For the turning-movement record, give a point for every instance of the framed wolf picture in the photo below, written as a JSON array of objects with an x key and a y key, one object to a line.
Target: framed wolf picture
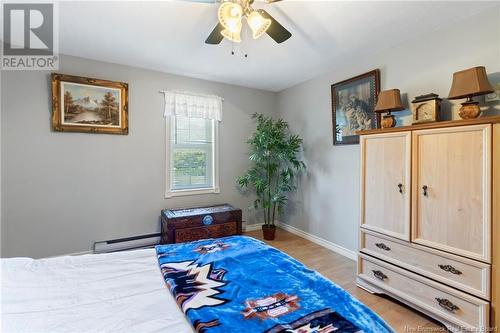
[
  {"x": 81, "y": 104},
  {"x": 353, "y": 102}
]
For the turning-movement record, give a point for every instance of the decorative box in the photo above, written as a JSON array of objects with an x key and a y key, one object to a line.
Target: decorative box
[{"x": 186, "y": 225}]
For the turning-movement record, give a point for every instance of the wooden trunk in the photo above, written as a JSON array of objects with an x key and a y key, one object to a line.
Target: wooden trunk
[{"x": 186, "y": 225}]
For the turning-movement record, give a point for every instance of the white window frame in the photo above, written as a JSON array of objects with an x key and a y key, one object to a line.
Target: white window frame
[{"x": 169, "y": 192}]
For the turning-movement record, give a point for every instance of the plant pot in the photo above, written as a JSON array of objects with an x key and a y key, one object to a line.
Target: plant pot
[{"x": 268, "y": 231}]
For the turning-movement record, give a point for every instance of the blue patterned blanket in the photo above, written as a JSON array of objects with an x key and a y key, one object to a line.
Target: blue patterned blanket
[{"x": 239, "y": 284}]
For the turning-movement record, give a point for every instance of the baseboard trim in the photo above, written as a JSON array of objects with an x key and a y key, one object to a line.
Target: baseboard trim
[
  {"x": 320, "y": 241},
  {"x": 253, "y": 227},
  {"x": 294, "y": 230}
]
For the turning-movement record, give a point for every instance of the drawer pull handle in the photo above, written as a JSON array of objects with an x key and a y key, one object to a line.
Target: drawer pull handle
[
  {"x": 447, "y": 305},
  {"x": 424, "y": 188},
  {"x": 379, "y": 275},
  {"x": 400, "y": 186},
  {"x": 449, "y": 268},
  {"x": 382, "y": 246}
]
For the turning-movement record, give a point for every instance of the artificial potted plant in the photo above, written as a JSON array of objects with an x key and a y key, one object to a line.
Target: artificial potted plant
[{"x": 275, "y": 163}]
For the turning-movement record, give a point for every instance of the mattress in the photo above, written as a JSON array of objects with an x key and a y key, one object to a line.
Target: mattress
[
  {"x": 126, "y": 292},
  {"x": 116, "y": 292}
]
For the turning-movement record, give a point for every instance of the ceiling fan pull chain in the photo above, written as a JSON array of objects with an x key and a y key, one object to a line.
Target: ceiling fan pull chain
[{"x": 244, "y": 49}]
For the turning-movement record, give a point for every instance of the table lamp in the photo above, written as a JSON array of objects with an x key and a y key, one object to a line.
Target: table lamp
[
  {"x": 467, "y": 84},
  {"x": 389, "y": 101}
]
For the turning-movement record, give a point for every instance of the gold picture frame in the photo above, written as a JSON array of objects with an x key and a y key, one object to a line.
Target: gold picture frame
[{"x": 82, "y": 104}]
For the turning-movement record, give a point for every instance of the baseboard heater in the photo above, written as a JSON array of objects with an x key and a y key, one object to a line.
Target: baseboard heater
[{"x": 128, "y": 243}]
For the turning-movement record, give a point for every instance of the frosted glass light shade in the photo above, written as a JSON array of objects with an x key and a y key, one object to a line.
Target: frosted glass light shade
[
  {"x": 258, "y": 24},
  {"x": 232, "y": 36},
  {"x": 230, "y": 15}
]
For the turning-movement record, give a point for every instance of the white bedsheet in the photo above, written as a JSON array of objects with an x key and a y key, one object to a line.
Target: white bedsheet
[{"x": 116, "y": 292}]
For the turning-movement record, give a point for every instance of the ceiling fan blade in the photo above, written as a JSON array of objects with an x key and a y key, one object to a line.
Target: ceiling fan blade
[
  {"x": 276, "y": 31},
  {"x": 215, "y": 36}
]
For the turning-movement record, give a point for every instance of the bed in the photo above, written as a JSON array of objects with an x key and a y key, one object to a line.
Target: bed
[{"x": 232, "y": 284}]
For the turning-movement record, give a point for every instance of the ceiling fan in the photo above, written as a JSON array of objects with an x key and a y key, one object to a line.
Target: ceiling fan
[{"x": 231, "y": 14}]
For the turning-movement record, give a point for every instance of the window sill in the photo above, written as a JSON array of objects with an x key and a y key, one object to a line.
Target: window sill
[{"x": 181, "y": 193}]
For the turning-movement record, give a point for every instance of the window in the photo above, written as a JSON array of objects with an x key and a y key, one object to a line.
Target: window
[
  {"x": 191, "y": 156},
  {"x": 192, "y": 127}
]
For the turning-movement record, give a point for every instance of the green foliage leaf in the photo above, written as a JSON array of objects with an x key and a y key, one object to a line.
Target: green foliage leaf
[{"x": 274, "y": 153}]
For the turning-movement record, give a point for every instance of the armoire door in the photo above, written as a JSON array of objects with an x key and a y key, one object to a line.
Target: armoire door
[
  {"x": 385, "y": 183},
  {"x": 452, "y": 190}
]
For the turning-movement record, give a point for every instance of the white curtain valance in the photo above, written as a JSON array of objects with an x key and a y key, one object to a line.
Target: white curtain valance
[{"x": 192, "y": 105}]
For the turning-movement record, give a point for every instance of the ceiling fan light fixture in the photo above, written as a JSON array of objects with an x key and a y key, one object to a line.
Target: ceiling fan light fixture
[
  {"x": 232, "y": 36},
  {"x": 258, "y": 24},
  {"x": 230, "y": 15}
]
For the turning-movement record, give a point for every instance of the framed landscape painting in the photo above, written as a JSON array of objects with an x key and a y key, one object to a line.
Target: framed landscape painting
[
  {"x": 81, "y": 104},
  {"x": 353, "y": 102}
]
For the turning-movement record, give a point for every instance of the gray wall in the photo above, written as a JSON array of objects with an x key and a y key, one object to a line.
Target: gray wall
[
  {"x": 327, "y": 203},
  {"x": 62, "y": 191}
]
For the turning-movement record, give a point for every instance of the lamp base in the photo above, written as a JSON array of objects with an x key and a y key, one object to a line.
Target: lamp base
[
  {"x": 388, "y": 121},
  {"x": 469, "y": 110}
]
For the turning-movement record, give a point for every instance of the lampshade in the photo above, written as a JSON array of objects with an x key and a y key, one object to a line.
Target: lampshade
[
  {"x": 258, "y": 24},
  {"x": 232, "y": 36},
  {"x": 470, "y": 82},
  {"x": 230, "y": 15},
  {"x": 389, "y": 100}
]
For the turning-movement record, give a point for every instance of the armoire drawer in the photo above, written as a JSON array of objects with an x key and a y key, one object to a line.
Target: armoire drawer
[
  {"x": 465, "y": 274},
  {"x": 449, "y": 304}
]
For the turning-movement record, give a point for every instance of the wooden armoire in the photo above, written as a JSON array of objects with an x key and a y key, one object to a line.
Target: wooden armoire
[{"x": 430, "y": 219}]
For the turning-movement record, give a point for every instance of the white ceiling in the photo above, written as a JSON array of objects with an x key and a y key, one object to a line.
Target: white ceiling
[{"x": 169, "y": 36}]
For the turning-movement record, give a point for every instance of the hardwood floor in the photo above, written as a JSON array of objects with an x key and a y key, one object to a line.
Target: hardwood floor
[{"x": 342, "y": 271}]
